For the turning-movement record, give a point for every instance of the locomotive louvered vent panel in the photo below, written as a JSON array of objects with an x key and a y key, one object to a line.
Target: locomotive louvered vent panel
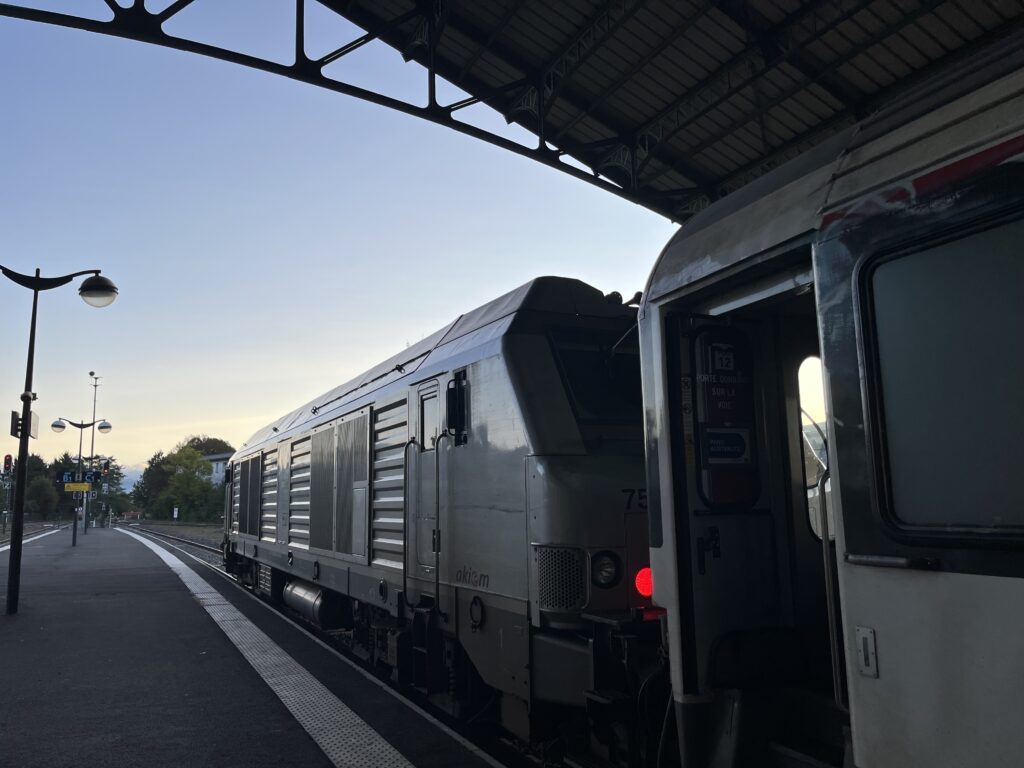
[
  {"x": 321, "y": 490},
  {"x": 560, "y": 578},
  {"x": 236, "y": 484},
  {"x": 251, "y": 513},
  {"x": 390, "y": 433},
  {"x": 298, "y": 494},
  {"x": 249, "y": 497},
  {"x": 243, "y": 498},
  {"x": 353, "y": 467},
  {"x": 268, "y": 498}
]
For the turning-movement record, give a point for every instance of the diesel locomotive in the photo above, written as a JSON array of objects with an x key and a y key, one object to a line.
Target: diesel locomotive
[{"x": 469, "y": 518}]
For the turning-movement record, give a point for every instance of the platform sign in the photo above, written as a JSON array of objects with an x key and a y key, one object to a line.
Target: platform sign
[
  {"x": 175, "y": 513},
  {"x": 69, "y": 487}
]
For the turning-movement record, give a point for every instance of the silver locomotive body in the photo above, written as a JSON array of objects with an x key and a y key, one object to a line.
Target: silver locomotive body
[{"x": 472, "y": 515}]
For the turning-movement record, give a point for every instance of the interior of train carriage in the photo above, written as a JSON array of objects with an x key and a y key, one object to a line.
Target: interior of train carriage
[{"x": 749, "y": 431}]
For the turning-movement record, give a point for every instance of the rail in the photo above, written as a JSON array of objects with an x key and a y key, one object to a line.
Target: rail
[{"x": 190, "y": 542}]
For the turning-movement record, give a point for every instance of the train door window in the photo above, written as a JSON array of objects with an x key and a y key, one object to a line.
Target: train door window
[
  {"x": 814, "y": 437},
  {"x": 430, "y": 419},
  {"x": 948, "y": 362}
]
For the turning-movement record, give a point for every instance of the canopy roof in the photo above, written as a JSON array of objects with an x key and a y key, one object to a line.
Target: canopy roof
[
  {"x": 669, "y": 103},
  {"x": 680, "y": 103}
]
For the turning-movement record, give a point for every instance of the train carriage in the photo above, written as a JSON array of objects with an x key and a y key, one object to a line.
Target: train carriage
[
  {"x": 469, "y": 516},
  {"x": 845, "y": 589}
]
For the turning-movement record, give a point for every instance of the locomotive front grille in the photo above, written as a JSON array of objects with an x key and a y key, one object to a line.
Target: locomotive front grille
[{"x": 560, "y": 578}]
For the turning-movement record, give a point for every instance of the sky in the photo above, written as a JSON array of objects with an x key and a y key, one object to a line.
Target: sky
[{"x": 270, "y": 239}]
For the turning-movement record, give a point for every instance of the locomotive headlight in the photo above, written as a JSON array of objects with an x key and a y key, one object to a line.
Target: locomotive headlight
[{"x": 605, "y": 569}]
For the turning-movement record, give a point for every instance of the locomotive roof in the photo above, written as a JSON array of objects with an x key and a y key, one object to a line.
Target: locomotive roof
[
  {"x": 560, "y": 295},
  {"x": 784, "y": 209}
]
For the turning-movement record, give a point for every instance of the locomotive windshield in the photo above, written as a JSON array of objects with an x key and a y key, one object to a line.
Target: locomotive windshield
[{"x": 601, "y": 372}]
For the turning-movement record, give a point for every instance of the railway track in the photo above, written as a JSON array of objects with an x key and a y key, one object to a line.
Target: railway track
[{"x": 206, "y": 547}]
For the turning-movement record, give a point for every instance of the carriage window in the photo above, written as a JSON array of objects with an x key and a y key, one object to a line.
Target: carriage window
[
  {"x": 950, "y": 356},
  {"x": 814, "y": 436},
  {"x": 430, "y": 420}
]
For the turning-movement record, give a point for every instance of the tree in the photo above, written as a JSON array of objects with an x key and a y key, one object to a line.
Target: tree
[
  {"x": 113, "y": 476},
  {"x": 152, "y": 483},
  {"x": 120, "y": 504},
  {"x": 41, "y": 498},
  {"x": 188, "y": 488},
  {"x": 206, "y": 445},
  {"x": 63, "y": 463},
  {"x": 35, "y": 467},
  {"x": 114, "y": 499}
]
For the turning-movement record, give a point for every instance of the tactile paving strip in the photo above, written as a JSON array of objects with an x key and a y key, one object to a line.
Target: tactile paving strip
[{"x": 345, "y": 738}]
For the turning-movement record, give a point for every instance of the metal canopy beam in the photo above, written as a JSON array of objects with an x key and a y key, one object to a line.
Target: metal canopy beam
[
  {"x": 621, "y": 174},
  {"x": 673, "y": 36},
  {"x": 537, "y": 99},
  {"x": 619, "y": 179},
  {"x": 779, "y": 154},
  {"x": 740, "y": 72},
  {"x": 137, "y": 23},
  {"x": 758, "y": 29}
]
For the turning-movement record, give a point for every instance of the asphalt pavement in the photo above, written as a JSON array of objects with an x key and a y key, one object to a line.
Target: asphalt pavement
[{"x": 113, "y": 661}]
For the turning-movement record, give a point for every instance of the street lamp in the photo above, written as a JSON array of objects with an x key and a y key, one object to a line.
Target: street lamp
[
  {"x": 92, "y": 446},
  {"x": 96, "y": 291},
  {"x": 104, "y": 427}
]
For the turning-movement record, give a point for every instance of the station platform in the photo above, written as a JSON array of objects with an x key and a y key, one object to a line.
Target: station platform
[{"x": 128, "y": 652}]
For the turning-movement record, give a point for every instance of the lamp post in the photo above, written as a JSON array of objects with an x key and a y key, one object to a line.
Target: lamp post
[
  {"x": 92, "y": 448},
  {"x": 97, "y": 291},
  {"x": 104, "y": 427}
]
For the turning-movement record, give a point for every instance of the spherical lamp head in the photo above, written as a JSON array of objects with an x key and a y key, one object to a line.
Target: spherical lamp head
[
  {"x": 104, "y": 426},
  {"x": 97, "y": 291},
  {"x": 58, "y": 425}
]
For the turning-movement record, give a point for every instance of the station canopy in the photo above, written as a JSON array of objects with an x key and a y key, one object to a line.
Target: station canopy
[
  {"x": 669, "y": 103},
  {"x": 680, "y": 103}
]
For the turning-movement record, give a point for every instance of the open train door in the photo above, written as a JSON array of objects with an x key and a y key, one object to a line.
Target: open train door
[
  {"x": 730, "y": 532},
  {"x": 920, "y": 295}
]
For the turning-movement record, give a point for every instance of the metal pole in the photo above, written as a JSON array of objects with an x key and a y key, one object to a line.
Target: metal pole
[
  {"x": 78, "y": 477},
  {"x": 92, "y": 453},
  {"x": 21, "y": 476}
]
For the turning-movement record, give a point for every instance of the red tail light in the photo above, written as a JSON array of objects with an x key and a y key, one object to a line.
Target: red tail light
[{"x": 644, "y": 582}]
